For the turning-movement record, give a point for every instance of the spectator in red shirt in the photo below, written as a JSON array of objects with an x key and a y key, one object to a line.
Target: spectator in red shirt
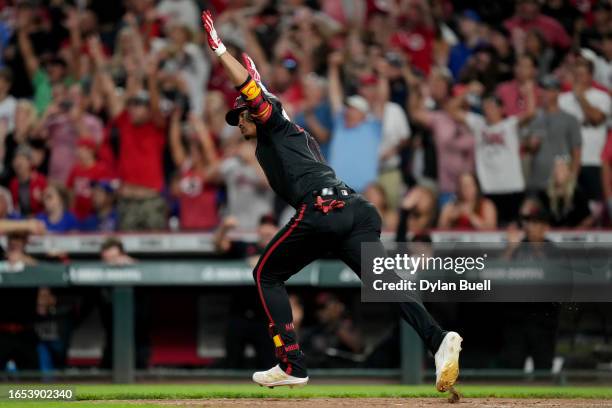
[
  {"x": 197, "y": 196},
  {"x": 83, "y": 173},
  {"x": 471, "y": 210},
  {"x": 140, "y": 128},
  {"x": 418, "y": 36},
  {"x": 510, "y": 93},
  {"x": 527, "y": 16},
  {"x": 28, "y": 185}
]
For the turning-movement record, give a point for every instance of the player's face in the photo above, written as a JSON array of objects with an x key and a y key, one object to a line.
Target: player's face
[{"x": 247, "y": 126}]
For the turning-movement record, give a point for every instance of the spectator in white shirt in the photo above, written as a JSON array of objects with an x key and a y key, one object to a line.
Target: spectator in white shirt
[
  {"x": 498, "y": 162},
  {"x": 249, "y": 196},
  {"x": 603, "y": 62},
  {"x": 591, "y": 107}
]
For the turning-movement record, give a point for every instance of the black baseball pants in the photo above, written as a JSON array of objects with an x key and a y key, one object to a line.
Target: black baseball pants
[{"x": 310, "y": 235}]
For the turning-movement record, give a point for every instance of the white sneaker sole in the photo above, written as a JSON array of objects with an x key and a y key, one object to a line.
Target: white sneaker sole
[
  {"x": 450, "y": 370},
  {"x": 291, "y": 383}
]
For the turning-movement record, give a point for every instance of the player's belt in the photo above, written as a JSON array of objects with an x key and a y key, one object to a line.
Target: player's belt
[{"x": 333, "y": 191}]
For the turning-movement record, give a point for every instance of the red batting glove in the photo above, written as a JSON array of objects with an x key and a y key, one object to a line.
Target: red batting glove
[
  {"x": 250, "y": 67},
  {"x": 252, "y": 70},
  {"x": 214, "y": 42}
]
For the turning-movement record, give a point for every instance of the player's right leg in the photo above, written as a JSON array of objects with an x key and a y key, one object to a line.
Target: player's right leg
[
  {"x": 288, "y": 252},
  {"x": 445, "y": 346}
]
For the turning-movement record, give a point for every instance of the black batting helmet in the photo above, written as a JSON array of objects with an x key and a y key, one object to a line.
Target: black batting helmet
[{"x": 233, "y": 115}]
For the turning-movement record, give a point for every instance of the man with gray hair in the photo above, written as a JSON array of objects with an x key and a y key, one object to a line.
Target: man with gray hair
[
  {"x": 357, "y": 133},
  {"x": 552, "y": 133}
]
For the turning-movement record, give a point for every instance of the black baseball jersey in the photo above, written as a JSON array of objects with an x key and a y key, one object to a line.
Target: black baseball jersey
[{"x": 289, "y": 156}]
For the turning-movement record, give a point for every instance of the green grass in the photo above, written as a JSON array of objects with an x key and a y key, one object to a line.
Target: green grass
[{"x": 107, "y": 392}]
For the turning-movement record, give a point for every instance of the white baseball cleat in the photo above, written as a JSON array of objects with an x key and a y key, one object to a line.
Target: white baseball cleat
[
  {"x": 447, "y": 361},
  {"x": 275, "y": 377}
]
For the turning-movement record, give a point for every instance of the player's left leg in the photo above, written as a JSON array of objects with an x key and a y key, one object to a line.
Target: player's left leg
[{"x": 445, "y": 346}]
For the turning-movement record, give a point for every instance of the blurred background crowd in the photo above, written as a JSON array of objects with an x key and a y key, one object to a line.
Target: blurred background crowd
[
  {"x": 457, "y": 115},
  {"x": 445, "y": 114}
]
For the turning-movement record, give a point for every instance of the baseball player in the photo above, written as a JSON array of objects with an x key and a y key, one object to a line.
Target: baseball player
[{"x": 330, "y": 218}]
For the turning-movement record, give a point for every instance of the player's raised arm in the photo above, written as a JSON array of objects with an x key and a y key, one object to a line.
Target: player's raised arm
[
  {"x": 234, "y": 69},
  {"x": 246, "y": 79}
]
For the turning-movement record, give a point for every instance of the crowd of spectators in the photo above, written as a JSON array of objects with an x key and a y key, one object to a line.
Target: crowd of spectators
[{"x": 444, "y": 113}]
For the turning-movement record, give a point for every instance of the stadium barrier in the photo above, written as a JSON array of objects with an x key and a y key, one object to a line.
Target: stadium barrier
[{"x": 202, "y": 243}]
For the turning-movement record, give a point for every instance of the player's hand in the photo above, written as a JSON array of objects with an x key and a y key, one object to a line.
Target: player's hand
[
  {"x": 214, "y": 42},
  {"x": 250, "y": 67},
  {"x": 252, "y": 70}
]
